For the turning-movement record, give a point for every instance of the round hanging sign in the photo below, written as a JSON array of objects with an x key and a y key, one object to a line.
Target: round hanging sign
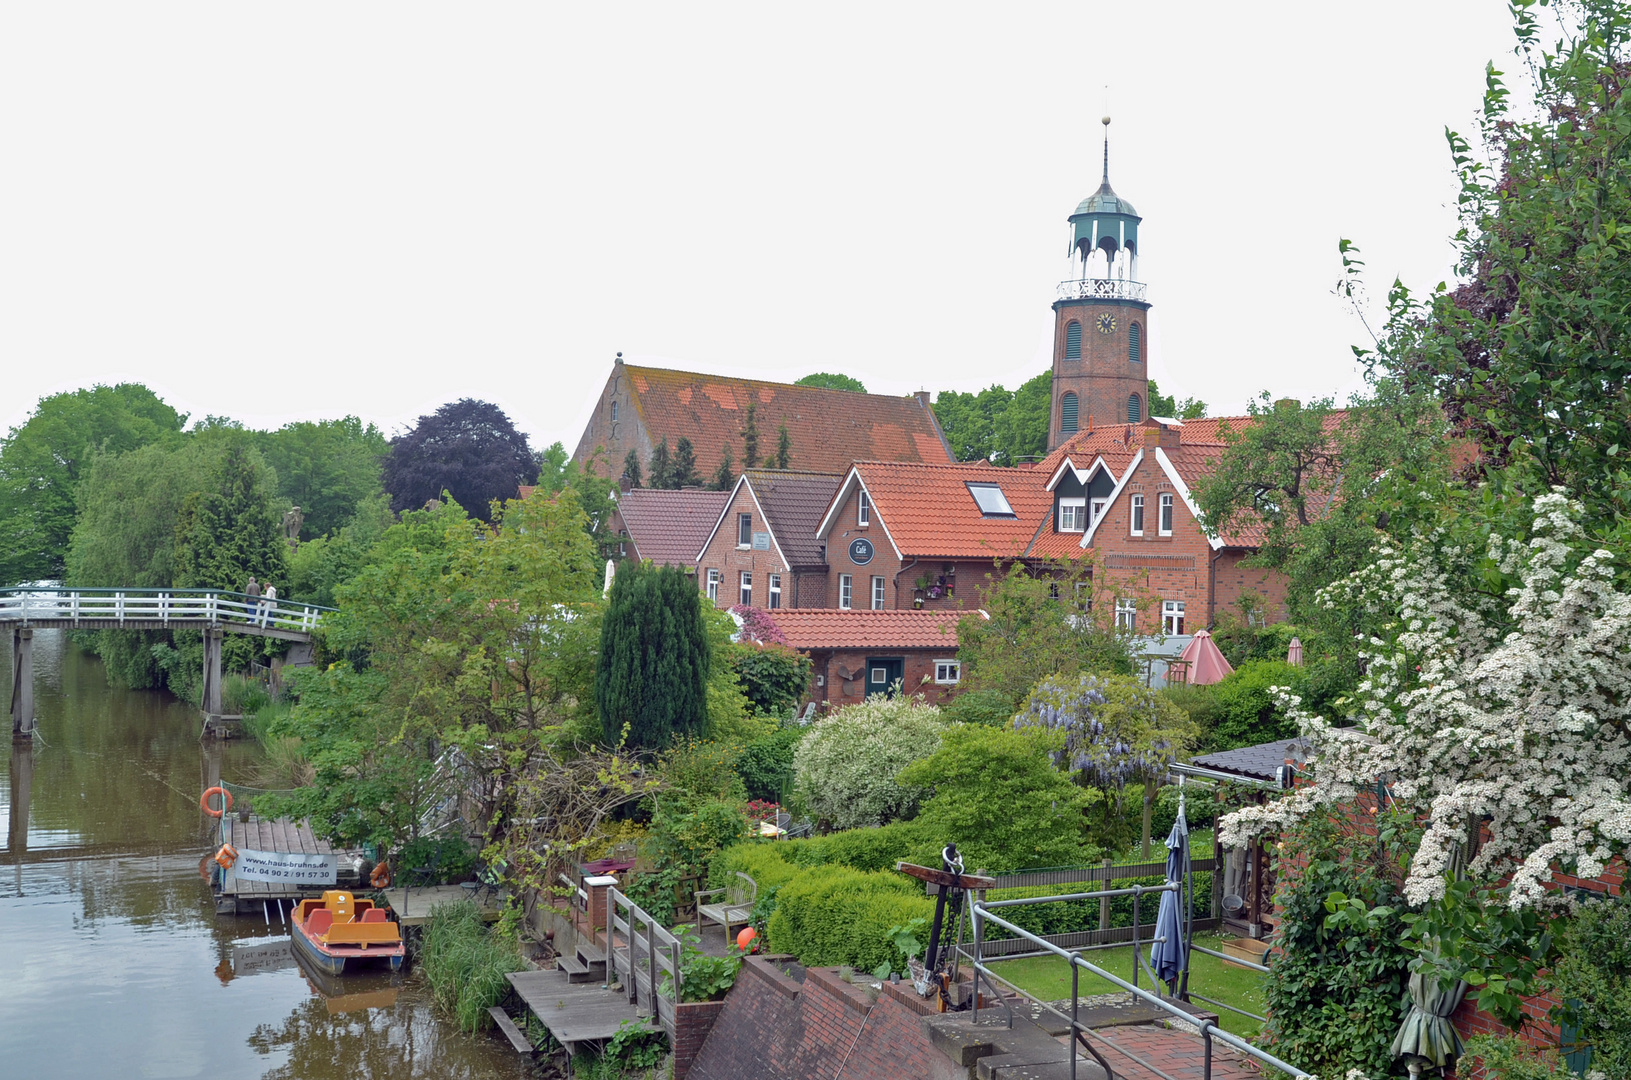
[{"x": 860, "y": 552}]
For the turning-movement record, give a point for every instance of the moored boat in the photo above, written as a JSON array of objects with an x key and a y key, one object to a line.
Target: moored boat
[{"x": 340, "y": 933}]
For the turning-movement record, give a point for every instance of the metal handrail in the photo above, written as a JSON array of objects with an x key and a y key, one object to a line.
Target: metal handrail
[
  {"x": 1090, "y": 288},
  {"x": 982, "y": 912}
]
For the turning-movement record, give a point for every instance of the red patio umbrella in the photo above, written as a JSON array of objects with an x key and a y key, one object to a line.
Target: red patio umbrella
[{"x": 1205, "y": 659}]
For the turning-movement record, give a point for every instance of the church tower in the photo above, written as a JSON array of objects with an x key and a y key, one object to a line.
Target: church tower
[{"x": 1101, "y": 319}]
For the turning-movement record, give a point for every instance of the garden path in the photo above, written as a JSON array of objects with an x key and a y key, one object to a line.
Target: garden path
[{"x": 1179, "y": 1054}]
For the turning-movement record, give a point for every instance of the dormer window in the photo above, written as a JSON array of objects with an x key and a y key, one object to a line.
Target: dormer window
[
  {"x": 1073, "y": 515},
  {"x": 991, "y": 501},
  {"x": 863, "y": 515}
]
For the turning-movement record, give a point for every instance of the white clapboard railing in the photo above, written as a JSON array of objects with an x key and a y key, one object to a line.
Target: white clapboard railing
[{"x": 98, "y": 607}]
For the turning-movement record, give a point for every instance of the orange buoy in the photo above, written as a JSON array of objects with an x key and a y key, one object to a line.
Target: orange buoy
[
  {"x": 381, "y": 877},
  {"x": 226, "y": 856},
  {"x": 226, "y": 801},
  {"x": 746, "y": 939}
]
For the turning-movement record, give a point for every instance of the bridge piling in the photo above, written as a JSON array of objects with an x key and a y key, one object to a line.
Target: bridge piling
[
  {"x": 212, "y": 672},
  {"x": 22, "y": 684}
]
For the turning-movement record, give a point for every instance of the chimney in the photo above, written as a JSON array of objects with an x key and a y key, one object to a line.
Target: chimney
[
  {"x": 922, "y": 398},
  {"x": 1163, "y": 435}
]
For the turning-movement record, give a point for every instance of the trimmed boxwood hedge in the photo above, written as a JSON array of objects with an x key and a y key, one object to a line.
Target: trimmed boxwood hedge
[
  {"x": 835, "y": 915},
  {"x": 1074, "y": 916}
]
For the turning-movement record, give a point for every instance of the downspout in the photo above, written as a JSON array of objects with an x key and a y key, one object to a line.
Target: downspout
[
  {"x": 1212, "y": 588},
  {"x": 898, "y": 573}
]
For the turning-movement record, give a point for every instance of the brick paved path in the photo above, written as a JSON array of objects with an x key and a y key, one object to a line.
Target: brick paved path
[{"x": 1179, "y": 1054}]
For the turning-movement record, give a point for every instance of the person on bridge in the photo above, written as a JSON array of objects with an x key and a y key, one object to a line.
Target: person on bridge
[
  {"x": 253, "y": 591},
  {"x": 268, "y": 602}
]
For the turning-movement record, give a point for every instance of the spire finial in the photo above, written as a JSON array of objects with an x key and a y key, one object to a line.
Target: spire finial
[{"x": 1106, "y": 122}]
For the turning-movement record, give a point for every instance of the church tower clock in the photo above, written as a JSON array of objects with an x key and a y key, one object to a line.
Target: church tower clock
[{"x": 1101, "y": 318}]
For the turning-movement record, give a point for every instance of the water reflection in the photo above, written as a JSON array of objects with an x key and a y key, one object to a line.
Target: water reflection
[{"x": 112, "y": 961}]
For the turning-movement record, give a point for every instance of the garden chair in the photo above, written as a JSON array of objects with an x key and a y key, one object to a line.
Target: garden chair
[
  {"x": 735, "y": 910},
  {"x": 489, "y": 882}
]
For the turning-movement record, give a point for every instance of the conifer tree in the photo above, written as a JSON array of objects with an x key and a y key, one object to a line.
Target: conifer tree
[
  {"x": 724, "y": 476},
  {"x": 230, "y": 531},
  {"x": 784, "y": 448},
  {"x": 654, "y": 659},
  {"x": 750, "y": 437},
  {"x": 662, "y": 467},
  {"x": 685, "y": 465},
  {"x": 631, "y": 468}
]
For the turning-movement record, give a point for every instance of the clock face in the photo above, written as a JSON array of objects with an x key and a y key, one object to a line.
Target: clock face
[{"x": 1107, "y": 323}]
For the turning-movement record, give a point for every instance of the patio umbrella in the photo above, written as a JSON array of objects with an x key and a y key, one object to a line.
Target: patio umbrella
[
  {"x": 1169, "y": 953},
  {"x": 1426, "y": 1039},
  {"x": 1206, "y": 662},
  {"x": 1294, "y": 655}
]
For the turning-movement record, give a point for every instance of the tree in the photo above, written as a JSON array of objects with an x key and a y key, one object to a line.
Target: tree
[
  {"x": 784, "y": 448},
  {"x": 631, "y": 468},
  {"x": 724, "y": 476},
  {"x": 1164, "y": 405},
  {"x": 467, "y": 448},
  {"x": 328, "y": 468},
  {"x": 662, "y": 466},
  {"x": 685, "y": 465},
  {"x": 43, "y": 461},
  {"x": 229, "y": 531},
  {"x": 654, "y": 659},
  {"x": 595, "y": 493},
  {"x": 750, "y": 436},
  {"x": 1020, "y": 432},
  {"x": 828, "y": 381},
  {"x": 968, "y": 420},
  {"x": 844, "y": 768}
]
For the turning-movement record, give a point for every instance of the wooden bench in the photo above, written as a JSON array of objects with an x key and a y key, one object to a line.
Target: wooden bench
[
  {"x": 737, "y": 907},
  {"x": 511, "y": 1032}
]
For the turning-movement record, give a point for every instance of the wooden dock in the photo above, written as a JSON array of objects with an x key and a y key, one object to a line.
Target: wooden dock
[
  {"x": 413, "y": 906},
  {"x": 235, "y": 897},
  {"x": 575, "y": 1012}
]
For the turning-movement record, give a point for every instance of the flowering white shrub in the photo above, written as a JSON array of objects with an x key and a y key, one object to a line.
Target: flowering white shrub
[
  {"x": 1514, "y": 709},
  {"x": 845, "y": 768}
]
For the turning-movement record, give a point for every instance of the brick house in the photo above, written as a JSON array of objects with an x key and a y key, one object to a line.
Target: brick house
[
  {"x": 665, "y": 527},
  {"x": 640, "y": 406},
  {"x": 900, "y": 535},
  {"x": 857, "y": 653},
  {"x": 762, "y": 550}
]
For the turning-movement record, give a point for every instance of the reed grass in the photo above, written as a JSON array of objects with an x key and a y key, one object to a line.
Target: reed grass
[{"x": 465, "y": 963}]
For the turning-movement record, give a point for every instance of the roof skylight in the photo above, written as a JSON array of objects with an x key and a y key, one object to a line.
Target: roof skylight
[{"x": 991, "y": 501}]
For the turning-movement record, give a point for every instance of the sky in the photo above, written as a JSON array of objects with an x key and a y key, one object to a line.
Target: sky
[{"x": 300, "y": 211}]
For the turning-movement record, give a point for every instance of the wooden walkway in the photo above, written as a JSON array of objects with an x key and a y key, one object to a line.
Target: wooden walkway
[
  {"x": 574, "y": 1012},
  {"x": 234, "y": 897},
  {"x": 413, "y": 906}
]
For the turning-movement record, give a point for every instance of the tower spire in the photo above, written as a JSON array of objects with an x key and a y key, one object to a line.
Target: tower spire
[{"x": 1106, "y": 181}]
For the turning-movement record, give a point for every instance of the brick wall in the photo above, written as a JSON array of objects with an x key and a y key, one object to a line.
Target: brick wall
[
  {"x": 692, "y": 1023},
  {"x": 1232, "y": 580},
  {"x": 730, "y": 559},
  {"x": 1152, "y": 566},
  {"x": 840, "y": 690},
  {"x": 884, "y": 563},
  {"x": 1103, "y": 377},
  {"x": 614, "y": 438}
]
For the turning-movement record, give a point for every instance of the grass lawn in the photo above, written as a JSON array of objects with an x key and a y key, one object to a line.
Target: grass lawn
[{"x": 1048, "y": 977}]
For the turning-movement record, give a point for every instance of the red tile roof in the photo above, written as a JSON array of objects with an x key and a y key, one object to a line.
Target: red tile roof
[
  {"x": 671, "y": 526},
  {"x": 793, "y": 503},
  {"x": 829, "y": 429},
  {"x": 928, "y": 512},
  {"x": 831, "y": 628}
]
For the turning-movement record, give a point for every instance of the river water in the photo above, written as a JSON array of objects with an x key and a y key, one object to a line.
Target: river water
[{"x": 113, "y": 962}]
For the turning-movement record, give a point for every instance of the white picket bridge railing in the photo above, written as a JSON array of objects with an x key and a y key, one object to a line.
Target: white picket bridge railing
[{"x": 100, "y": 608}]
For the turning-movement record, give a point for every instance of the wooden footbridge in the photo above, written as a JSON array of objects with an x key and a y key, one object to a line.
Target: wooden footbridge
[{"x": 215, "y": 612}]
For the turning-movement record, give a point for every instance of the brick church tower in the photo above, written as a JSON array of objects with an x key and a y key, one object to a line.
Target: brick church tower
[{"x": 1101, "y": 319}]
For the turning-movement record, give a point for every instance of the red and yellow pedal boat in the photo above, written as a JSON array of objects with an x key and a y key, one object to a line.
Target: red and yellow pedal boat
[{"x": 340, "y": 932}]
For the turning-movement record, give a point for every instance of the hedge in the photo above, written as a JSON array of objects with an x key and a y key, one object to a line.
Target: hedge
[
  {"x": 764, "y": 862},
  {"x": 1075, "y": 916},
  {"x": 877, "y": 848},
  {"x": 835, "y": 915}
]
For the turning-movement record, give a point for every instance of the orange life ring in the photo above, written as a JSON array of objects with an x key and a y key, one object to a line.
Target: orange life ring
[
  {"x": 226, "y": 856},
  {"x": 381, "y": 877},
  {"x": 226, "y": 802}
]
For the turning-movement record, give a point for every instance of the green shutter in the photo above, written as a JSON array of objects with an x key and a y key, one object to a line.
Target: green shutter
[
  {"x": 1134, "y": 414},
  {"x": 1132, "y": 343},
  {"x": 1073, "y": 341},
  {"x": 1067, "y": 413}
]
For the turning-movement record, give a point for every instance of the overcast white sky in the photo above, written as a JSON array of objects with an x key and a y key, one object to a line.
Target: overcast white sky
[{"x": 304, "y": 210}]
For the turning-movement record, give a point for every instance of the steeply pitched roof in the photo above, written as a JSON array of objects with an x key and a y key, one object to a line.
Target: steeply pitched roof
[
  {"x": 1261, "y": 762},
  {"x": 829, "y": 429},
  {"x": 831, "y": 628},
  {"x": 794, "y": 502},
  {"x": 928, "y": 510},
  {"x": 670, "y": 526}
]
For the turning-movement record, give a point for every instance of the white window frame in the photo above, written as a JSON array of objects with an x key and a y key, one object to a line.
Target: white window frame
[
  {"x": 713, "y": 585},
  {"x": 948, "y": 672},
  {"x": 1164, "y": 522},
  {"x": 1172, "y": 617},
  {"x": 1126, "y": 614},
  {"x": 1096, "y": 510},
  {"x": 745, "y": 594},
  {"x": 1076, "y": 520},
  {"x": 775, "y": 583},
  {"x": 1136, "y": 518},
  {"x": 744, "y": 531},
  {"x": 863, "y": 511},
  {"x": 614, "y": 412},
  {"x": 846, "y": 590},
  {"x": 877, "y": 593}
]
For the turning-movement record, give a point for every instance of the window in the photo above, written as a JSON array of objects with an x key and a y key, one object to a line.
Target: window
[
  {"x": 845, "y": 586},
  {"x": 1073, "y": 341},
  {"x": 1067, "y": 413},
  {"x": 713, "y": 585},
  {"x": 948, "y": 672},
  {"x": 1138, "y": 515},
  {"x": 1072, "y": 515},
  {"x": 747, "y": 588},
  {"x": 863, "y": 516},
  {"x": 1133, "y": 335},
  {"x": 1098, "y": 508},
  {"x": 1172, "y": 616},
  {"x": 1166, "y": 515},
  {"x": 991, "y": 501},
  {"x": 1126, "y": 614},
  {"x": 744, "y": 530},
  {"x": 877, "y": 594},
  {"x": 1135, "y": 410},
  {"x": 775, "y": 582},
  {"x": 614, "y": 412}
]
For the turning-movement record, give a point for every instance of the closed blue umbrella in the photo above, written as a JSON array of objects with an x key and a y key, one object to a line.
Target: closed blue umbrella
[{"x": 1168, "y": 953}]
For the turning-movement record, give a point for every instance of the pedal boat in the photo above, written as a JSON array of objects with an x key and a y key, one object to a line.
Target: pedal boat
[{"x": 340, "y": 933}]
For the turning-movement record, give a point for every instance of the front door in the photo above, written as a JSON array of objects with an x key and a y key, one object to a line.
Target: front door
[{"x": 882, "y": 672}]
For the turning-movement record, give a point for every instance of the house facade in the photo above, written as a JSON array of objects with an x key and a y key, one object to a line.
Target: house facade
[
  {"x": 762, "y": 550},
  {"x": 857, "y": 653}
]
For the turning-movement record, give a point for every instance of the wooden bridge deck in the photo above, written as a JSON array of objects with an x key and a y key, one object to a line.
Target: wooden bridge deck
[
  {"x": 575, "y": 1012},
  {"x": 258, "y": 834}
]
